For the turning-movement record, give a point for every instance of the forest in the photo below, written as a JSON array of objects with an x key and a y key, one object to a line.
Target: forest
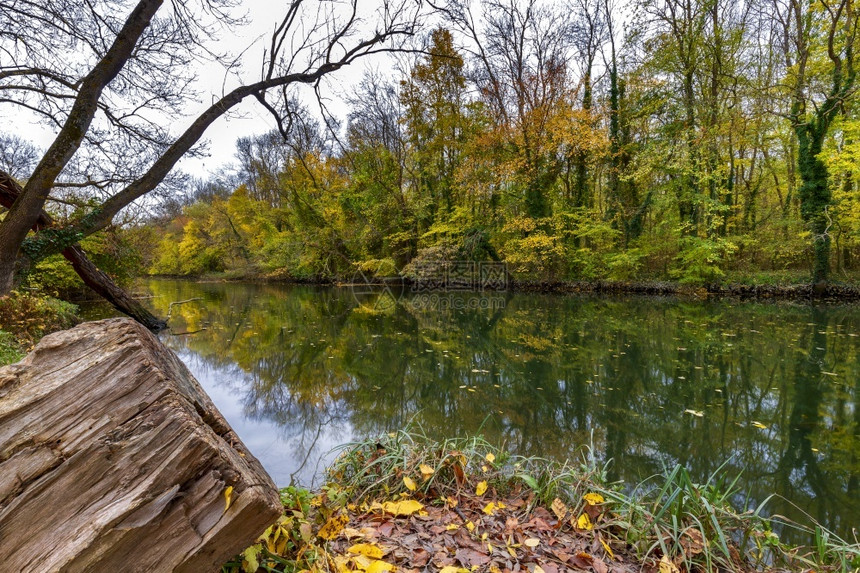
[
  {"x": 697, "y": 141},
  {"x": 693, "y": 141}
]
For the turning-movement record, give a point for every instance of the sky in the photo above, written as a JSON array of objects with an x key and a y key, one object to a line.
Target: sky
[{"x": 247, "y": 118}]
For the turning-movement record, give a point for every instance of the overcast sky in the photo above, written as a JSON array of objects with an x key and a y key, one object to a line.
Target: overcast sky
[{"x": 249, "y": 117}]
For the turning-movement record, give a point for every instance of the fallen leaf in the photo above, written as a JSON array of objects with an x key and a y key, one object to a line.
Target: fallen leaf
[
  {"x": 409, "y": 483},
  {"x": 666, "y": 566},
  {"x": 366, "y": 549},
  {"x": 405, "y": 507},
  {"x": 482, "y": 487},
  {"x": 593, "y": 498},
  {"x": 558, "y": 508},
  {"x": 584, "y": 522},
  {"x": 491, "y": 507},
  {"x": 538, "y": 569},
  {"x": 426, "y": 471},
  {"x": 531, "y": 542},
  {"x": 452, "y": 569},
  {"x": 333, "y": 526},
  {"x": 306, "y": 531},
  {"x": 490, "y": 458},
  {"x": 379, "y": 566},
  {"x": 470, "y": 526},
  {"x": 607, "y": 549},
  {"x": 452, "y": 527},
  {"x": 228, "y": 497},
  {"x": 693, "y": 542}
]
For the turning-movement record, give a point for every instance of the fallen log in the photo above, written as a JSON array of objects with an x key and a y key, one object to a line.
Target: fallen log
[{"x": 113, "y": 458}]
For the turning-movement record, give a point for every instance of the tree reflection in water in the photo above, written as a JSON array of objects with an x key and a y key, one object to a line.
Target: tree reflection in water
[{"x": 776, "y": 384}]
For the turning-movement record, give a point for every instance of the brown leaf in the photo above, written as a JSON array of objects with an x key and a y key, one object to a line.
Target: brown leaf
[
  {"x": 420, "y": 557},
  {"x": 693, "y": 542},
  {"x": 599, "y": 566},
  {"x": 582, "y": 560},
  {"x": 470, "y": 557}
]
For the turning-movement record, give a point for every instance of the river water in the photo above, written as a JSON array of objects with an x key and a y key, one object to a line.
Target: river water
[{"x": 769, "y": 391}]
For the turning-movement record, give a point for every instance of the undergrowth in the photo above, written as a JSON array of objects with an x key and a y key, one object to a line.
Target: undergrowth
[
  {"x": 29, "y": 317},
  {"x": 668, "y": 524}
]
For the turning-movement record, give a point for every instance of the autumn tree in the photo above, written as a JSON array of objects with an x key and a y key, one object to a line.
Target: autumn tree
[
  {"x": 104, "y": 73},
  {"x": 822, "y": 76}
]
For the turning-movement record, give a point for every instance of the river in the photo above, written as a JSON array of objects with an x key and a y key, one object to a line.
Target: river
[{"x": 768, "y": 391}]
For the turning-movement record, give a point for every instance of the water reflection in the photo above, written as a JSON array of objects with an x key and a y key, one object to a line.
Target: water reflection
[{"x": 772, "y": 388}]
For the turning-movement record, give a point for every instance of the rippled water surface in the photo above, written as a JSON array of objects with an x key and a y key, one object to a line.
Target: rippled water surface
[{"x": 771, "y": 390}]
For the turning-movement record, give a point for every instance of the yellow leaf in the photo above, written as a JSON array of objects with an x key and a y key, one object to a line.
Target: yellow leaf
[
  {"x": 558, "y": 508},
  {"x": 409, "y": 483},
  {"x": 608, "y": 549},
  {"x": 584, "y": 522},
  {"x": 470, "y": 526},
  {"x": 490, "y": 458},
  {"x": 538, "y": 569},
  {"x": 491, "y": 507},
  {"x": 452, "y": 527},
  {"x": 531, "y": 542},
  {"x": 666, "y": 566},
  {"x": 697, "y": 413},
  {"x": 426, "y": 471},
  {"x": 452, "y": 569},
  {"x": 333, "y": 526},
  {"x": 759, "y": 425},
  {"x": 482, "y": 487},
  {"x": 366, "y": 549},
  {"x": 228, "y": 497},
  {"x": 405, "y": 507},
  {"x": 593, "y": 498},
  {"x": 379, "y": 567}
]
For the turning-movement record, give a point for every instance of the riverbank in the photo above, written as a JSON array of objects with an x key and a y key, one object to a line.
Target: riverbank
[
  {"x": 26, "y": 318},
  {"x": 404, "y": 502},
  {"x": 757, "y": 287}
]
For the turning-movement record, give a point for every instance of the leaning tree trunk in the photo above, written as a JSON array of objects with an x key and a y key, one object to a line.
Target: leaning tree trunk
[{"x": 89, "y": 273}]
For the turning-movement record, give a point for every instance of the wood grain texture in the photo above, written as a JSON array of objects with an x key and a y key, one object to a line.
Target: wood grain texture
[{"x": 113, "y": 458}]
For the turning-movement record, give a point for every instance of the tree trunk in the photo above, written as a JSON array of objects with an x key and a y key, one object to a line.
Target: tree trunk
[
  {"x": 113, "y": 458},
  {"x": 89, "y": 273}
]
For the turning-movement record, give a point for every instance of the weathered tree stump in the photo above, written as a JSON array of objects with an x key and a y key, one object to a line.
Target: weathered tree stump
[{"x": 113, "y": 458}]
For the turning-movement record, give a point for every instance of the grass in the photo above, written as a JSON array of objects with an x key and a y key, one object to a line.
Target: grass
[
  {"x": 667, "y": 523},
  {"x": 25, "y": 318},
  {"x": 10, "y": 351}
]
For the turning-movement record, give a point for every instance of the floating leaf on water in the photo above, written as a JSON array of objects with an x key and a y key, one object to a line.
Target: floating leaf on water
[
  {"x": 759, "y": 425},
  {"x": 697, "y": 413},
  {"x": 482, "y": 487}
]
